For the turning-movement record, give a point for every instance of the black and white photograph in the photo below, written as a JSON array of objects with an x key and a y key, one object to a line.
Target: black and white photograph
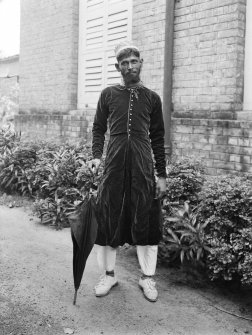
[{"x": 125, "y": 167}]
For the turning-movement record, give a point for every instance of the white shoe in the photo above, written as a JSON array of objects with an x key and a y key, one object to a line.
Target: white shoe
[
  {"x": 105, "y": 284},
  {"x": 148, "y": 285}
]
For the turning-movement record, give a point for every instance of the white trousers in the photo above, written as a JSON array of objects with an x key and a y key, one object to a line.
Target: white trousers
[{"x": 147, "y": 258}]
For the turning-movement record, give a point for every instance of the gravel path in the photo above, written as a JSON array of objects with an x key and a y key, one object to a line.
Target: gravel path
[{"x": 36, "y": 291}]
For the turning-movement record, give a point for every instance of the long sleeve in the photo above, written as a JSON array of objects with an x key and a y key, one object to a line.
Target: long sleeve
[
  {"x": 100, "y": 125},
  {"x": 157, "y": 137}
]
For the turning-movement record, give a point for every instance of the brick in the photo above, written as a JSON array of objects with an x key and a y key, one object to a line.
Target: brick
[
  {"x": 212, "y": 17},
  {"x": 203, "y": 146},
  {"x": 224, "y": 165},
  {"x": 221, "y": 156},
  {"x": 235, "y": 158},
  {"x": 48, "y": 62}
]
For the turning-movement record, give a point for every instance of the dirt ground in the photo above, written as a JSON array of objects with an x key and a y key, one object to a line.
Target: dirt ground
[{"x": 36, "y": 291}]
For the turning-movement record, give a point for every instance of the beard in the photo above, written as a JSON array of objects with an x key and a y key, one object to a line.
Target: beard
[{"x": 131, "y": 77}]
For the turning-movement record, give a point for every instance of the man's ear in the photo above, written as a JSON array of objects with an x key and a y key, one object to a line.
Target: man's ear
[
  {"x": 117, "y": 67},
  {"x": 141, "y": 61}
]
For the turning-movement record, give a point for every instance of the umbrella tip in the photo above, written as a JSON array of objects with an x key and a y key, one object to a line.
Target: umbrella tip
[{"x": 75, "y": 297}]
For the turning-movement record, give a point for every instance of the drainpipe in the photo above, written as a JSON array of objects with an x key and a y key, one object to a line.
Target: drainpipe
[{"x": 168, "y": 66}]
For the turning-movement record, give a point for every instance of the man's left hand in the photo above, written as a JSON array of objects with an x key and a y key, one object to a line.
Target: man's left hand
[{"x": 161, "y": 187}]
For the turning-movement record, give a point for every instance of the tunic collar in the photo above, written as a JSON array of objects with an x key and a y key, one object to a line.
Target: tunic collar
[{"x": 134, "y": 89}]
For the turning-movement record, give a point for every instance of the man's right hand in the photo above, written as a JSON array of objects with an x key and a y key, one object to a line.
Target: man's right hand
[{"x": 94, "y": 164}]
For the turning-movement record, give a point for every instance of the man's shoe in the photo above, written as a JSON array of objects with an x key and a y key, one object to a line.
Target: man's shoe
[
  {"x": 104, "y": 286},
  {"x": 148, "y": 285}
]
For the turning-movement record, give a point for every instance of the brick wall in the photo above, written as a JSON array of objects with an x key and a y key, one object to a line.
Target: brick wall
[
  {"x": 207, "y": 76},
  {"x": 209, "y": 43},
  {"x": 71, "y": 127},
  {"x": 148, "y": 33},
  {"x": 209, "y": 39},
  {"x": 223, "y": 145},
  {"x": 48, "y": 55}
]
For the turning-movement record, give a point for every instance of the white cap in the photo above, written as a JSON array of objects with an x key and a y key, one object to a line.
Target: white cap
[{"x": 124, "y": 45}]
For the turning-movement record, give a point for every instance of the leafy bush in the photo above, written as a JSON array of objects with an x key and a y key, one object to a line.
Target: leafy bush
[
  {"x": 54, "y": 210},
  {"x": 185, "y": 178},
  {"x": 16, "y": 161},
  {"x": 8, "y": 139},
  {"x": 183, "y": 237},
  {"x": 62, "y": 179},
  {"x": 57, "y": 176},
  {"x": 226, "y": 208},
  {"x": 207, "y": 220},
  {"x": 215, "y": 232}
]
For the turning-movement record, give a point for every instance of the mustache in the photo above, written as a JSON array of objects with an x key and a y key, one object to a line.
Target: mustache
[{"x": 132, "y": 71}]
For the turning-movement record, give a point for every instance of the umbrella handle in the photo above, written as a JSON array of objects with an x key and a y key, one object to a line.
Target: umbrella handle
[{"x": 75, "y": 297}]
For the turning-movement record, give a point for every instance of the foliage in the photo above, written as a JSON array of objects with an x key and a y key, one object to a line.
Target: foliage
[
  {"x": 185, "y": 178},
  {"x": 215, "y": 231},
  {"x": 207, "y": 220},
  {"x": 183, "y": 236},
  {"x": 57, "y": 176},
  {"x": 54, "y": 211},
  {"x": 17, "y": 160},
  {"x": 8, "y": 139},
  {"x": 62, "y": 179},
  {"x": 226, "y": 207}
]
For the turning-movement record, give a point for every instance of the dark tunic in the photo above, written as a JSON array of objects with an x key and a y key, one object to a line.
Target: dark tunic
[{"x": 127, "y": 211}]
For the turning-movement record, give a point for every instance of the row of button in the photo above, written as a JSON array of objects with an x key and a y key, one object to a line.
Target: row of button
[{"x": 130, "y": 110}]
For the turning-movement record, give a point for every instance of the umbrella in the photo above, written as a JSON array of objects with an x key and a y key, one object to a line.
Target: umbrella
[{"x": 83, "y": 231}]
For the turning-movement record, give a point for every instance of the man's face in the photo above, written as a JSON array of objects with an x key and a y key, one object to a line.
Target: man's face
[{"x": 130, "y": 68}]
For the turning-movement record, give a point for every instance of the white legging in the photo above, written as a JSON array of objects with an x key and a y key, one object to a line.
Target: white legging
[{"x": 147, "y": 258}]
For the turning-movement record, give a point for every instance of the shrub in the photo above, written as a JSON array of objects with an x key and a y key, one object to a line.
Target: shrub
[
  {"x": 185, "y": 178},
  {"x": 207, "y": 221},
  {"x": 54, "y": 210},
  {"x": 226, "y": 209},
  {"x": 216, "y": 232},
  {"x": 182, "y": 234},
  {"x": 16, "y": 170},
  {"x": 183, "y": 237},
  {"x": 62, "y": 179},
  {"x": 8, "y": 139},
  {"x": 57, "y": 176}
]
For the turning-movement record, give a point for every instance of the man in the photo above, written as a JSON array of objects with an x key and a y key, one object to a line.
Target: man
[{"x": 128, "y": 210}]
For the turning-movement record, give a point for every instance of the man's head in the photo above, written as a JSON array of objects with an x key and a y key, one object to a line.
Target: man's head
[{"x": 129, "y": 63}]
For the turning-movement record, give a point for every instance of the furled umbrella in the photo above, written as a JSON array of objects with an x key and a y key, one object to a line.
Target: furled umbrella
[{"x": 83, "y": 224}]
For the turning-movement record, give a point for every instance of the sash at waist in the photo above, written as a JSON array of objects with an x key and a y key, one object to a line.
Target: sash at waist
[{"x": 132, "y": 132}]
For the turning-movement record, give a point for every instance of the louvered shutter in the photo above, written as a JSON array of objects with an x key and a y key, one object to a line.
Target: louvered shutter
[{"x": 103, "y": 24}]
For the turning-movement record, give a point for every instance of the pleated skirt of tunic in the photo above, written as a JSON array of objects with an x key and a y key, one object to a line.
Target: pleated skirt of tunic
[{"x": 127, "y": 209}]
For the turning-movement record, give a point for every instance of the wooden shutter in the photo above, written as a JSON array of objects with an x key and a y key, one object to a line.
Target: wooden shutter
[{"x": 103, "y": 24}]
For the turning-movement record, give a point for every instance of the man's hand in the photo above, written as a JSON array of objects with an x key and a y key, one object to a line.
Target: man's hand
[
  {"x": 94, "y": 164},
  {"x": 161, "y": 187}
]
